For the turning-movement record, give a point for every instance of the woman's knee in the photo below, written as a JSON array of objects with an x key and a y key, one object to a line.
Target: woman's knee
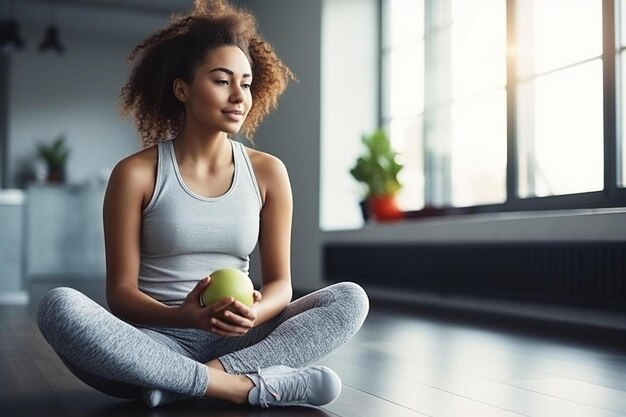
[
  {"x": 353, "y": 299},
  {"x": 56, "y": 306}
]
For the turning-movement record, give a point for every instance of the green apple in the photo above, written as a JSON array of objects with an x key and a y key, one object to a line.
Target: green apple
[{"x": 228, "y": 282}]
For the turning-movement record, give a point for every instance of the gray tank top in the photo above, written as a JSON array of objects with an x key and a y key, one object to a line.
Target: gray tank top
[{"x": 186, "y": 236}]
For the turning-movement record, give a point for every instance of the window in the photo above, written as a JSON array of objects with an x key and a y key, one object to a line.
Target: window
[
  {"x": 560, "y": 109},
  {"x": 622, "y": 64},
  {"x": 462, "y": 155},
  {"x": 478, "y": 105},
  {"x": 497, "y": 116},
  {"x": 403, "y": 99}
]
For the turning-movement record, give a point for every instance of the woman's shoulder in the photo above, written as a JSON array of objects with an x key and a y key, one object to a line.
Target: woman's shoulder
[
  {"x": 136, "y": 173},
  {"x": 137, "y": 165},
  {"x": 265, "y": 164},
  {"x": 270, "y": 171}
]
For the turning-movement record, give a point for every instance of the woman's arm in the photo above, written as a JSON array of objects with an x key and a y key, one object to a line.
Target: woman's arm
[
  {"x": 274, "y": 248},
  {"x": 275, "y": 237},
  {"x": 122, "y": 207}
]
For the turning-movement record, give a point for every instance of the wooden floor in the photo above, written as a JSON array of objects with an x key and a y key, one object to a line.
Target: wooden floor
[{"x": 404, "y": 362}]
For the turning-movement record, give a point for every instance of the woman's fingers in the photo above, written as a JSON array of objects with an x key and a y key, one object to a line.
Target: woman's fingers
[
  {"x": 238, "y": 319},
  {"x": 220, "y": 304},
  {"x": 245, "y": 311},
  {"x": 198, "y": 288},
  {"x": 220, "y": 327},
  {"x": 232, "y": 323}
]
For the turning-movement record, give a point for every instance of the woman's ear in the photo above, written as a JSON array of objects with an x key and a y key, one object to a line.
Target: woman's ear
[{"x": 180, "y": 90}]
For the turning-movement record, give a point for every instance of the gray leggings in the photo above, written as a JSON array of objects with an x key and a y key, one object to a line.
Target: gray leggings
[{"x": 120, "y": 359}]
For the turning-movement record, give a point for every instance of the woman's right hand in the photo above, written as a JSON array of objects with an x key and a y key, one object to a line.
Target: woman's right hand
[{"x": 192, "y": 314}]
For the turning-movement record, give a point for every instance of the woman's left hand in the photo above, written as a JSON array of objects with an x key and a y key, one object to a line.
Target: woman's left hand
[{"x": 237, "y": 324}]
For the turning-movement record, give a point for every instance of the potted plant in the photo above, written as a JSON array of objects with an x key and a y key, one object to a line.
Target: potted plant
[
  {"x": 378, "y": 169},
  {"x": 55, "y": 155}
]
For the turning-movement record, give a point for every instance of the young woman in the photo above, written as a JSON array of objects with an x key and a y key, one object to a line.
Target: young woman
[{"x": 193, "y": 201}]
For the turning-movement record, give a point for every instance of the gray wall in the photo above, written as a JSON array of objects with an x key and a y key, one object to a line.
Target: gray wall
[
  {"x": 75, "y": 94},
  {"x": 292, "y": 133}
]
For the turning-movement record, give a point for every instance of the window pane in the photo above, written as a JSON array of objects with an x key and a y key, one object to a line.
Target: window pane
[
  {"x": 437, "y": 145},
  {"x": 622, "y": 64},
  {"x": 556, "y": 33},
  {"x": 622, "y": 122},
  {"x": 403, "y": 76},
  {"x": 478, "y": 157},
  {"x": 622, "y": 6},
  {"x": 404, "y": 20},
  {"x": 561, "y": 133},
  {"x": 406, "y": 138},
  {"x": 478, "y": 46}
]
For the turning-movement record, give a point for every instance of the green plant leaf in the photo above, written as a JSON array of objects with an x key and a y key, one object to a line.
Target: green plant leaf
[
  {"x": 56, "y": 153},
  {"x": 377, "y": 167}
]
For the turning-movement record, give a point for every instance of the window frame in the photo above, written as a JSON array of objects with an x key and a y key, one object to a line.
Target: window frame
[{"x": 612, "y": 195}]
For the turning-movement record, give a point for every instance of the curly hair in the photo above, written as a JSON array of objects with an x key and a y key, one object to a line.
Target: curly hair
[{"x": 178, "y": 49}]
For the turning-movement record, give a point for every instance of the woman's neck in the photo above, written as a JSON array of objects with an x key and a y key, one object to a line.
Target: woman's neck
[{"x": 209, "y": 150}]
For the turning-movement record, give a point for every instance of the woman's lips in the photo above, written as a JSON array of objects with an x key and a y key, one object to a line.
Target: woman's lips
[{"x": 233, "y": 115}]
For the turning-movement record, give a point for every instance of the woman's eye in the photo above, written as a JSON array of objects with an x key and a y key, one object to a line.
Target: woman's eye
[
  {"x": 246, "y": 86},
  {"x": 221, "y": 82}
]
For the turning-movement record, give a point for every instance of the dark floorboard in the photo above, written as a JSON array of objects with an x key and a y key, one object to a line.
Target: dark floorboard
[{"x": 404, "y": 362}]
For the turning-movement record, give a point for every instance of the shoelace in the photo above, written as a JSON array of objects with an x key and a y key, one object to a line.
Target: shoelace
[{"x": 278, "y": 385}]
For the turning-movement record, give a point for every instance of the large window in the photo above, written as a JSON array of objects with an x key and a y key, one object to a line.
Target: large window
[
  {"x": 622, "y": 64},
  {"x": 478, "y": 102},
  {"x": 502, "y": 104},
  {"x": 560, "y": 110},
  {"x": 402, "y": 103}
]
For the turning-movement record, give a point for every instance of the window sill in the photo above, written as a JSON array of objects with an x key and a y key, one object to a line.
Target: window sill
[{"x": 583, "y": 224}]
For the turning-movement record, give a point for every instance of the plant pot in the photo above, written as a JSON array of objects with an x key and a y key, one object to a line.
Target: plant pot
[
  {"x": 384, "y": 208},
  {"x": 364, "y": 210},
  {"x": 56, "y": 174}
]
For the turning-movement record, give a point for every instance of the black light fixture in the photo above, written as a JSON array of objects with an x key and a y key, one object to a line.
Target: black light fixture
[
  {"x": 51, "y": 40},
  {"x": 10, "y": 38}
]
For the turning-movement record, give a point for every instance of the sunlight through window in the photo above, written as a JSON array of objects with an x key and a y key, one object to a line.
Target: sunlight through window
[
  {"x": 403, "y": 94},
  {"x": 560, "y": 119},
  {"x": 478, "y": 163},
  {"x": 478, "y": 116},
  {"x": 622, "y": 61}
]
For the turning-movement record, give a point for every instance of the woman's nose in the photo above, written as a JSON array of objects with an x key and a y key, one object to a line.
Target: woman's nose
[{"x": 237, "y": 94}]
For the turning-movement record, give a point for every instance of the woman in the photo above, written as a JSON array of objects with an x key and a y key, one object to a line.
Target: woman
[{"x": 190, "y": 204}]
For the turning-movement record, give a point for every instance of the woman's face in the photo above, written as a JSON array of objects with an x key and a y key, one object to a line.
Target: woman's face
[{"x": 219, "y": 96}]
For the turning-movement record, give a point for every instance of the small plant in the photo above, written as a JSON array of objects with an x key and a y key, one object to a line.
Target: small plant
[
  {"x": 377, "y": 167},
  {"x": 55, "y": 155}
]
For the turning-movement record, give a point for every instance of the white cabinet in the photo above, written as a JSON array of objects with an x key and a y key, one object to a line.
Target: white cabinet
[
  {"x": 12, "y": 247},
  {"x": 64, "y": 233}
]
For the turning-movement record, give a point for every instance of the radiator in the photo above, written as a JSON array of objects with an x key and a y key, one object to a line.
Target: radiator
[{"x": 589, "y": 274}]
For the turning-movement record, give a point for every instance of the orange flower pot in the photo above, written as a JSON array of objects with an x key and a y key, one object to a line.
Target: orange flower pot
[{"x": 384, "y": 208}]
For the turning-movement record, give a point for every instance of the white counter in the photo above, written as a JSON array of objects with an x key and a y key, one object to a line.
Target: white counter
[
  {"x": 12, "y": 289},
  {"x": 64, "y": 232}
]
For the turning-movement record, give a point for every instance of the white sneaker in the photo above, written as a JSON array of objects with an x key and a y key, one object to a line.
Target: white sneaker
[{"x": 283, "y": 386}]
